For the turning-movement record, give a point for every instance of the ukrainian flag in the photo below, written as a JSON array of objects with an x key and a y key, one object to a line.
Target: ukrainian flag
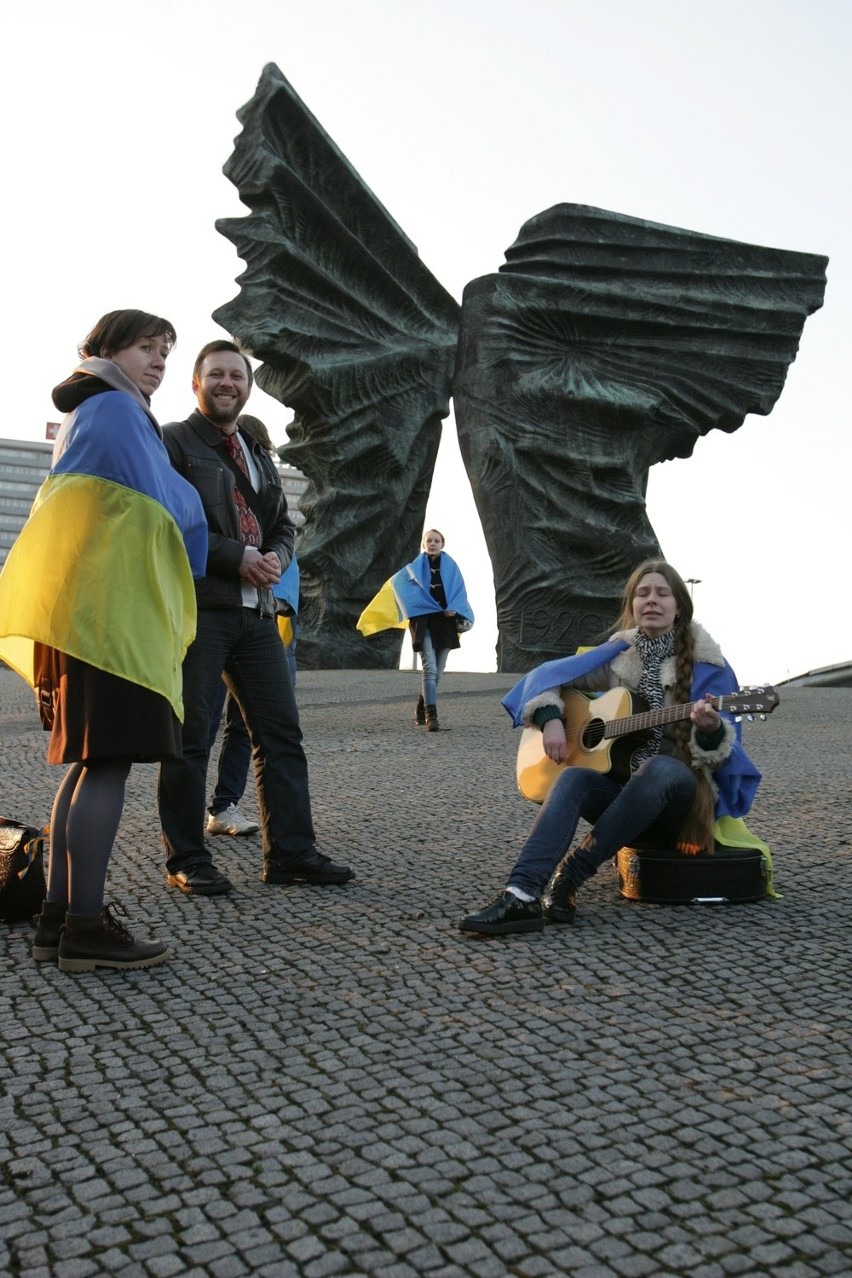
[
  {"x": 406, "y": 594},
  {"x": 383, "y": 612},
  {"x": 103, "y": 569},
  {"x": 287, "y": 589}
]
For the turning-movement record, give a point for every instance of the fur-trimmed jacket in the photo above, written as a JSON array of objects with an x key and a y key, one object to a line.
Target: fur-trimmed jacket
[
  {"x": 625, "y": 671},
  {"x": 617, "y": 664}
]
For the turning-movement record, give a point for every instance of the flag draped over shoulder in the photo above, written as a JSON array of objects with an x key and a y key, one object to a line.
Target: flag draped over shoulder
[
  {"x": 382, "y": 613},
  {"x": 103, "y": 568},
  {"x": 557, "y": 673},
  {"x": 406, "y": 595}
]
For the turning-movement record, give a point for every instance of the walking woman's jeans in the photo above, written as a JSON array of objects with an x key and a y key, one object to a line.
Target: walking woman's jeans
[
  {"x": 654, "y": 803},
  {"x": 433, "y": 667}
]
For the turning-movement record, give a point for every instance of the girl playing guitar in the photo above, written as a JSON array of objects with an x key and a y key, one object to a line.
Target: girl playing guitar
[{"x": 682, "y": 776}]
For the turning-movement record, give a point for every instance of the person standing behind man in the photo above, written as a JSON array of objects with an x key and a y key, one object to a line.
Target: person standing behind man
[
  {"x": 250, "y": 543},
  {"x": 224, "y": 815}
]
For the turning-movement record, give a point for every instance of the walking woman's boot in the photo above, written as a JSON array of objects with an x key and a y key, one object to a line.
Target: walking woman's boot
[
  {"x": 432, "y": 724},
  {"x": 420, "y": 711}
]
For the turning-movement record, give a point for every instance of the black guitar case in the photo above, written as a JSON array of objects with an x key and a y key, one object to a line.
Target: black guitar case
[{"x": 667, "y": 877}]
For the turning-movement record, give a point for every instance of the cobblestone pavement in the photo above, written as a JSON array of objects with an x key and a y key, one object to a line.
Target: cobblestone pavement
[{"x": 335, "y": 1081}]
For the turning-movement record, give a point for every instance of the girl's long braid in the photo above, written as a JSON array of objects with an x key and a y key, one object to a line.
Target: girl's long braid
[
  {"x": 697, "y": 832},
  {"x": 684, "y": 656}
]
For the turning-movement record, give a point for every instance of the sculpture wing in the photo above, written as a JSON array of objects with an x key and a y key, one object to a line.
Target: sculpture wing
[
  {"x": 605, "y": 344},
  {"x": 356, "y": 336}
]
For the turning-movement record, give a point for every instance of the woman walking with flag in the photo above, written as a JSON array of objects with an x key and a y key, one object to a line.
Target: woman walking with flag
[{"x": 428, "y": 595}]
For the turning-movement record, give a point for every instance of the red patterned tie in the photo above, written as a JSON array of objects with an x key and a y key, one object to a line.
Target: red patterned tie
[{"x": 249, "y": 527}]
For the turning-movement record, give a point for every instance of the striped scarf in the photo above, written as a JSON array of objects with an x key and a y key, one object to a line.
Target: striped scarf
[{"x": 652, "y": 652}]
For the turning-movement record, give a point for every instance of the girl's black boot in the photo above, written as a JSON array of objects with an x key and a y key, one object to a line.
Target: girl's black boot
[{"x": 559, "y": 902}]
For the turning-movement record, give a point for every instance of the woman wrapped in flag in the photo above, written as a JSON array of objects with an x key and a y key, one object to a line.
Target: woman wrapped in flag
[
  {"x": 428, "y": 595},
  {"x": 97, "y": 609}
]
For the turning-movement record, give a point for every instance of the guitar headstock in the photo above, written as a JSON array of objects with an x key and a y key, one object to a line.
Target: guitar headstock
[{"x": 751, "y": 701}]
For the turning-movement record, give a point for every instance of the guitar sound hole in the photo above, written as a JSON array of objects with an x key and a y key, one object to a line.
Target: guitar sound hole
[{"x": 593, "y": 733}]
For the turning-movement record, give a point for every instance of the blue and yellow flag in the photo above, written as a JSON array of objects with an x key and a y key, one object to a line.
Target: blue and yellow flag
[
  {"x": 103, "y": 568},
  {"x": 406, "y": 594},
  {"x": 383, "y": 612},
  {"x": 287, "y": 590}
]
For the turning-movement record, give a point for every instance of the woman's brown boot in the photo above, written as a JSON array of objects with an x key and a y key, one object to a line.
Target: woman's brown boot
[
  {"x": 96, "y": 940},
  {"x": 420, "y": 711},
  {"x": 48, "y": 930},
  {"x": 432, "y": 724}
]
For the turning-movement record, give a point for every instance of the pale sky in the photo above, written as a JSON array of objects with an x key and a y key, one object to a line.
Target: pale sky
[{"x": 466, "y": 118}]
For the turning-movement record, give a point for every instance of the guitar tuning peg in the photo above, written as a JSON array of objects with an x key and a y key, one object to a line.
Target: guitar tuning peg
[
  {"x": 738, "y": 718},
  {"x": 763, "y": 718},
  {"x": 750, "y": 718}
]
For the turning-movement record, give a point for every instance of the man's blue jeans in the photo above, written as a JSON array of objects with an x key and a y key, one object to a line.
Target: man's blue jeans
[
  {"x": 248, "y": 649},
  {"x": 654, "y": 803},
  {"x": 235, "y": 751},
  {"x": 433, "y": 667}
]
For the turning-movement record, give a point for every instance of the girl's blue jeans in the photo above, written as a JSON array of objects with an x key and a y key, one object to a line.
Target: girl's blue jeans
[
  {"x": 654, "y": 804},
  {"x": 433, "y": 667}
]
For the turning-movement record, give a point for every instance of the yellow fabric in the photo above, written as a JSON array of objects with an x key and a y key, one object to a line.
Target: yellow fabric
[
  {"x": 381, "y": 613},
  {"x": 732, "y": 832},
  {"x": 100, "y": 572},
  {"x": 285, "y": 629}
]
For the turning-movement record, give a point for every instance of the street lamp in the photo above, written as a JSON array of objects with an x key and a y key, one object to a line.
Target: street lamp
[{"x": 692, "y": 581}]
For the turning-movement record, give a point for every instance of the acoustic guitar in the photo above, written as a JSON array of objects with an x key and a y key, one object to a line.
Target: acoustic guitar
[{"x": 605, "y": 732}]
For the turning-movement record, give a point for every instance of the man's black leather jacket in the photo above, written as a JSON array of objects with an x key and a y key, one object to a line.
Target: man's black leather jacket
[{"x": 198, "y": 453}]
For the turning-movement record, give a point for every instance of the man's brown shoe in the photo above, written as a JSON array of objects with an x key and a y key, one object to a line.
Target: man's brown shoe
[
  {"x": 200, "y": 880},
  {"x": 311, "y": 868}
]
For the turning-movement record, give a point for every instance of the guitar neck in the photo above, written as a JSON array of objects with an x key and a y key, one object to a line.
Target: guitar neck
[{"x": 652, "y": 718}]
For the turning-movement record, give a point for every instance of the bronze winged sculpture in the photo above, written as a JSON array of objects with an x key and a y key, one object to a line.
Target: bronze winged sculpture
[{"x": 604, "y": 344}]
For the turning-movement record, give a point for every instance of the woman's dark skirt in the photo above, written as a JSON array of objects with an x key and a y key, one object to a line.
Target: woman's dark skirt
[
  {"x": 94, "y": 715},
  {"x": 442, "y": 629}
]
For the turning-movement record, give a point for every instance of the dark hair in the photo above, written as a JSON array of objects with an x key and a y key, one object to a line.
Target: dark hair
[
  {"x": 117, "y": 330},
  {"x": 256, "y": 430},
  {"x": 221, "y": 344}
]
